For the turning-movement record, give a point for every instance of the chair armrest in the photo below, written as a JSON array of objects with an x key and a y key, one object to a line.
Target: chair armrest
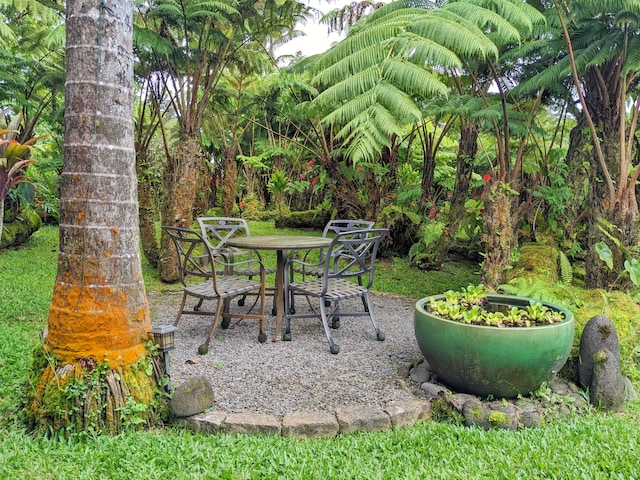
[
  {"x": 241, "y": 267},
  {"x": 296, "y": 265}
]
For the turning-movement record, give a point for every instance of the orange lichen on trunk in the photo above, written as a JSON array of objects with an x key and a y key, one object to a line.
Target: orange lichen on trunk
[{"x": 96, "y": 322}]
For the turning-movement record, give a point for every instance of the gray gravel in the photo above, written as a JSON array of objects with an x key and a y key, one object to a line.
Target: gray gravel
[{"x": 302, "y": 375}]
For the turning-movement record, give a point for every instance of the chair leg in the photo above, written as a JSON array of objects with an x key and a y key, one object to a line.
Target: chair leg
[
  {"x": 333, "y": 347},
  {"x": 288, "y": 296},
  {"x": 204, "y": 348},
  {"x": 366, "y": 299},
  {"x": 226, "y": 321},
  {"x": 181, "y": 309},
  {"x": 262, "y": 337}
]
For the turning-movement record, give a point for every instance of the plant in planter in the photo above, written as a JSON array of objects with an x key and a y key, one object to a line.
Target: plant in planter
[
  {"x": 491, "y": 344},
  {"x": 472, "y": 307}
]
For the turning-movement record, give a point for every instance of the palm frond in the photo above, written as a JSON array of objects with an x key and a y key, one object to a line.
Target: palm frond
[
  {"x": 350, "y": 109},
  {"x": 632, "y": 65},
  {"x": 412, "y": 79},
  {"x": 397, "y": 101},
  {"x": 423, "y": 50},
  {"x": 519, "y": 14},
  {"x": 350, "y": 65},
  {"x": 375, "y": 36},
  {"x": 455, "y": 33},
  {"x": 491, "y": 22},
  {"x": 351, "y": 87}
]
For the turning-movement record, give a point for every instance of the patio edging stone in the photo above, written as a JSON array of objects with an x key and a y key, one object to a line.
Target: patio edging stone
[{"x": 307, "y": 424}]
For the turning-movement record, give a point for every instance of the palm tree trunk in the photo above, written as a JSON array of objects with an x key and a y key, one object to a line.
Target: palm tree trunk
[{"x": 94, "y": 361}]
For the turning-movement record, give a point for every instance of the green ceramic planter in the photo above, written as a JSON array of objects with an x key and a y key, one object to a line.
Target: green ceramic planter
[{"x": 491, "y": 361}]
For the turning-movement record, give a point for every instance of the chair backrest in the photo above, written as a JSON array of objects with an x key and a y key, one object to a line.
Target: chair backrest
[
  {"x": 339, "y": 226},
  {"x": 335, "y": 227},
  {"x": 194, "y": 257},
  {"x": 218, "y": 230},
  {"x": 352, "y": 255}
]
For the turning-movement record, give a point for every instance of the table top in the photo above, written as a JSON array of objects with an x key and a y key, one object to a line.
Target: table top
[{"x": 279, "y": 242}]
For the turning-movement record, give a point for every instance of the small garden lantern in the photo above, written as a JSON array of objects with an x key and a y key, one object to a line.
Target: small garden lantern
[{"x": 163, "y": 337}]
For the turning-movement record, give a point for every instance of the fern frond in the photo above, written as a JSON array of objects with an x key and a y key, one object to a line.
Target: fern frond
[
  {"x": 412, "y": 79},
  {"x": 566, "y": 271}
]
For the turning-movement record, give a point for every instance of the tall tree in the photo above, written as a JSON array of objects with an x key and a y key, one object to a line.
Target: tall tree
[
  {"x": 591, "y": 48},
  {"x": 94, "y": 360},
  {"x": 605, "y": 88}
]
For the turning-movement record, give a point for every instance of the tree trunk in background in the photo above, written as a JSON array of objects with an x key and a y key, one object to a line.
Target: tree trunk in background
[
  {"x": 229, "y": 181},
  {"x": 95, "y": 360},
  {"x": 345, "y": 200},
  {"x": 603, "y": 86},
  {"x": 467, "y": 149},
  {"x": 428, "y": 171},
  {"x": 182, "y": 179},
  {"x": 623, "y": 216},
  {"x": 579, "y": 155},
  {"x": 148, "y": 237},
  {"x": 499, "y": 231}
]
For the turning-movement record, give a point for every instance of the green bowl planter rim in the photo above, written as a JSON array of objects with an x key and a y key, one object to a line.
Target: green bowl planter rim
[{"x": 501, "y": 299}]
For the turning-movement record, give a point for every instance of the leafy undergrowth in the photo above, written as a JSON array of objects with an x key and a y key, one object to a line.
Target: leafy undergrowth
[{"x": 539, "y": 273}]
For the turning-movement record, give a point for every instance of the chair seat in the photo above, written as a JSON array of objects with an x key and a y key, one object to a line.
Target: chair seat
[
  {"x": 227, "y": 287},
  {"x": 337, "y": 289}
]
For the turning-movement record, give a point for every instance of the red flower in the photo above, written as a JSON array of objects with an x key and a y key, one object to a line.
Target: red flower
[
  {"x": 242, "y": 204},
  {"x": 311, "y": 162},
  {"x": 391, "y": 196},
  {"x": 486, "y": 177},
  {"x": 302, "y": 175},
  {"x": 425, "y": 199},
  {"x": 314, "y": 181},
  {"x": 433, "y": 213},
  {"x": 217, "y": 181},
  {"x": 360, "y": 169}
]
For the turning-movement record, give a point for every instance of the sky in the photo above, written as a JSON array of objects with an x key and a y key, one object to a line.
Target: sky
[{"x": 316, "y": 39}]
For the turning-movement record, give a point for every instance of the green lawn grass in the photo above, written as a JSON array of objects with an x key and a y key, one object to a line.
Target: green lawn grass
[{"x": 595, "y": 446}]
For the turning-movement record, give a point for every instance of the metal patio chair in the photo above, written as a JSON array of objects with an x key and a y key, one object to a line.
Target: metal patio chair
[
  {"x": 197, "y": 261},
  {"x": 347, "y": 272},
  {"x": 332, "y": 228},
  {"x": 217, "y": 231}
]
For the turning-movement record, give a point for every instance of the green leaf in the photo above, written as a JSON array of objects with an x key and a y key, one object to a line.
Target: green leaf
[
  {"x": 633, "y": 267},
  {"x": 604, "y": 252}
]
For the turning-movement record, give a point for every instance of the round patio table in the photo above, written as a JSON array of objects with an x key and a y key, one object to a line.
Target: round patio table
[{"x": 281, "y": 244}]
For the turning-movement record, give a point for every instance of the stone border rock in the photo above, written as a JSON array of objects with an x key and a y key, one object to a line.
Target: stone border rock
[{"x": 304, "y": 425}]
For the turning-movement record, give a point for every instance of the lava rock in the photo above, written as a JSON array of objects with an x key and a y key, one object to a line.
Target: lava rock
[
  {"x": 192, "y": 397},
  {"x": 608, "y": 387},
  {"x": 599, "y": 334}
]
